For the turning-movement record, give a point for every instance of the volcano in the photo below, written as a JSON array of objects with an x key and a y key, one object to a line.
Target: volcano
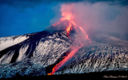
[
  {"x": 37, "y": 54},
  {"x": 64, "y": 48}
]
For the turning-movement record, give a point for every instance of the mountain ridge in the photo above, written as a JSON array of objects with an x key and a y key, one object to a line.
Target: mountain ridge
[{"x": 41, "y": 51}]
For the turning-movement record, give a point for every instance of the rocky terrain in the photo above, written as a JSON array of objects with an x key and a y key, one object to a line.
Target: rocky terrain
[{"x": 36, "y": 54}]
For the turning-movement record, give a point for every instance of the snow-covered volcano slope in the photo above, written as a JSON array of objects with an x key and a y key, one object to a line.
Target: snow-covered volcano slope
[
  {"x": 6, "y": 42},
  {"x": 38, "y": 46},
  {"x": 39, "y": 52}
]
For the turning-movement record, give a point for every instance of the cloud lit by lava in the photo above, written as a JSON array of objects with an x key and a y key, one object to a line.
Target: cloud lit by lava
[
  {"x": 80, "y": 38},
  {"x": 100, "y": 17}
]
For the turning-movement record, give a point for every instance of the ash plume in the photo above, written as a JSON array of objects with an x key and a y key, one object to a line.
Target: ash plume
[{"x": 100, "y": 18}]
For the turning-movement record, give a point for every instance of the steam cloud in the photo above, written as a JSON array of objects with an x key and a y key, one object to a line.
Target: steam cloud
[
  {"x": 108, "y": 16},
  {"x": 100, "y": 17}
]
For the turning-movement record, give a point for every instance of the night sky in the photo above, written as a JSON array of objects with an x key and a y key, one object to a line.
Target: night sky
[
  {"x": 19, "y": 17},
  {"x": 25, "y": 17}
]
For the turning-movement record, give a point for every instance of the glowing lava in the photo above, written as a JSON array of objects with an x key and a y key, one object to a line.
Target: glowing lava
[
  {"x": 68, "y": 29},
  {"x": 61, "y": 63},
  {"x": 68, "y": 16}
]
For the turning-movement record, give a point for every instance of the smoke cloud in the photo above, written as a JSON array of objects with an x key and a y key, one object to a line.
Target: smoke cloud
[{"x": 100, "y": 17}]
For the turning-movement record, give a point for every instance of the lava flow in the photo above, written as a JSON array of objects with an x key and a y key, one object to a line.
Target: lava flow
[
  {"x": 68, "y": 16},
  {"x": 61, "y": 63}
]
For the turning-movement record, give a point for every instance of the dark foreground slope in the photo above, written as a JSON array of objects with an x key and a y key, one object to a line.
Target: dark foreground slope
[
  {"x": 36, "y": 54},
  {"x": 86, "y": 76}
]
